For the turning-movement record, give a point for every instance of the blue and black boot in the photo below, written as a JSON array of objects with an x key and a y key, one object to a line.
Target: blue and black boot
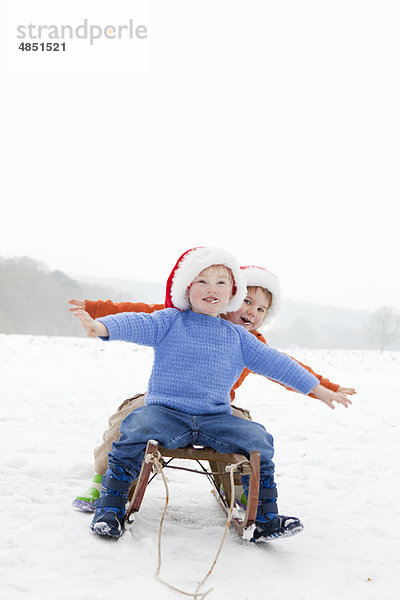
[
  {"x": 111, "y": 506},
  {"x": 269, "y": 525}
]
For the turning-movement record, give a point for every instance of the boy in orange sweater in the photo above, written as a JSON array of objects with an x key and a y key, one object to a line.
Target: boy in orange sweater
[{"x": 259, "y": 308}]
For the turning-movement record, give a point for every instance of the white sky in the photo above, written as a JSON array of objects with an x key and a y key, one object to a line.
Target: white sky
[{"x": 271, "y": 129}]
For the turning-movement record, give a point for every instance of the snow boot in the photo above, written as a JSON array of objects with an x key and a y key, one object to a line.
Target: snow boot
[
  {"x": 269, "y": 525},
  {"x": 111, "y": 506},
  {"x": 87, "y": 501},
  {"x": 278, "y": 527}
]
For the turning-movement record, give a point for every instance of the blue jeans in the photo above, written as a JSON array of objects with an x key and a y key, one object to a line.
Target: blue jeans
[{"x": 174, "y": 429}]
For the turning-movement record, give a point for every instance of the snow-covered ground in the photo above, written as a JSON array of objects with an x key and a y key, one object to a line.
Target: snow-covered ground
[{"x": 337, "y": 470}]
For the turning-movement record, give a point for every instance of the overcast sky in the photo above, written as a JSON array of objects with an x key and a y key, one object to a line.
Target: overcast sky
[{"x": 271, "y": 129}]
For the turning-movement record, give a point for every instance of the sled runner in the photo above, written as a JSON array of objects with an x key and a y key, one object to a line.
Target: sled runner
[{"x": 220, "y": 465}]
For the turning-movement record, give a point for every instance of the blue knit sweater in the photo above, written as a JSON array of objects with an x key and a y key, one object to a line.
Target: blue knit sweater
[{"x": 198, "y": 358}]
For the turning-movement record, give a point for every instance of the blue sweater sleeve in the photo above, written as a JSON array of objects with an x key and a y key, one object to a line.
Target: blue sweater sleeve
[
  {"x": 139, "y": 328},
  {"x": 271, "y": 363}
]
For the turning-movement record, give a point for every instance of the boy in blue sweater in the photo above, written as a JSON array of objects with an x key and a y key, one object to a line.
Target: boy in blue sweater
[{"x": 197, "y": 358}]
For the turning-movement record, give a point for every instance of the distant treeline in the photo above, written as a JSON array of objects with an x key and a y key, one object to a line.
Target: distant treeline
[
  {"x": 33, "y": 300},
  {"x": 306, "y": 325}
]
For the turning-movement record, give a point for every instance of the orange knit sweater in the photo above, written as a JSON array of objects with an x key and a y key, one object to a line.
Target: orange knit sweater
[{"x": 102, "y": 308}]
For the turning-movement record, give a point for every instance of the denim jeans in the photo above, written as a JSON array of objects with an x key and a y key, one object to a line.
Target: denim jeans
[{"x": 174, "y": 429}]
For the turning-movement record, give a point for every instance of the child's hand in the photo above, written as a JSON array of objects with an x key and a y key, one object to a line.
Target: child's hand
[
  {"x": 93, "y": 328},
  {"x": 76, "y": 304},
  {"x": 329, "y": 397},
  {"x": 347, "y": 391}
]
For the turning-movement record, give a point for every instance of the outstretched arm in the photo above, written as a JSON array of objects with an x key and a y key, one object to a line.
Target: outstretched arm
[
  {"x": 335, "y": 387},
  {"x": 76, "y": 304},
  {"x": 324, "y": 381},
  {"x": 278, "y": 366},
  {"x": 329, "y": 397},
  {"x": 93, "y": 328},
  {"x": 347, "y": 391},
  {"x": 102, "y": 308}
]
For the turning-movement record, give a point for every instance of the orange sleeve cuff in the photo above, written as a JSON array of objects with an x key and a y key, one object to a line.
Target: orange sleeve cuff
[{"x": 90, "y": 307}]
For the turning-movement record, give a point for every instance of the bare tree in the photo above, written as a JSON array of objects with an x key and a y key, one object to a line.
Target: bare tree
[{"x": 383, "y": 326}]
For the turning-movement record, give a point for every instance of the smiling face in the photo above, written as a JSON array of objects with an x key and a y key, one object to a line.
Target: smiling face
[
  {"x": 254, "y": 308},
  {"x": 211, "y": 290}
]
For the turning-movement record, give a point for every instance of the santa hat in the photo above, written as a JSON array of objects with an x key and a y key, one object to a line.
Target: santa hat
[
  {"x": 260, "y": 277},
  {"x": 190, "y": 264}
]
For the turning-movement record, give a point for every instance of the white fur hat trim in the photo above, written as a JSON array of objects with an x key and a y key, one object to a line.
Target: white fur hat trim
[
  {"x": 258, "y": 276},
  {"x": 196, "y": 260}
]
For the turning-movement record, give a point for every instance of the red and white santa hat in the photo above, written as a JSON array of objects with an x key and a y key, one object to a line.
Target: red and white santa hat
[
  {"x": 260, "y": 277},
  {"x": 190, "y": 264}
]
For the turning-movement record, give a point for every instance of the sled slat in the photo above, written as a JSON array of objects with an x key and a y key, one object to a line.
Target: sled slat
[
  {"x": 254, "y": 489},
  {"x": 142, "y": 480},
  {"x": 193, "y": 453}
]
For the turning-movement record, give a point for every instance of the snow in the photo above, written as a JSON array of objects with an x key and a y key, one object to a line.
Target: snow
[{"x": 337, "y": 470}]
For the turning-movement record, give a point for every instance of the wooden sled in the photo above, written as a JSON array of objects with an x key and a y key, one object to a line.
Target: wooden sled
[{"x": 220, "y": 479}]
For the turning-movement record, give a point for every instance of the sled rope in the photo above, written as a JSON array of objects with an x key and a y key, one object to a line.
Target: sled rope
[{"x": 156, "y": 459}]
